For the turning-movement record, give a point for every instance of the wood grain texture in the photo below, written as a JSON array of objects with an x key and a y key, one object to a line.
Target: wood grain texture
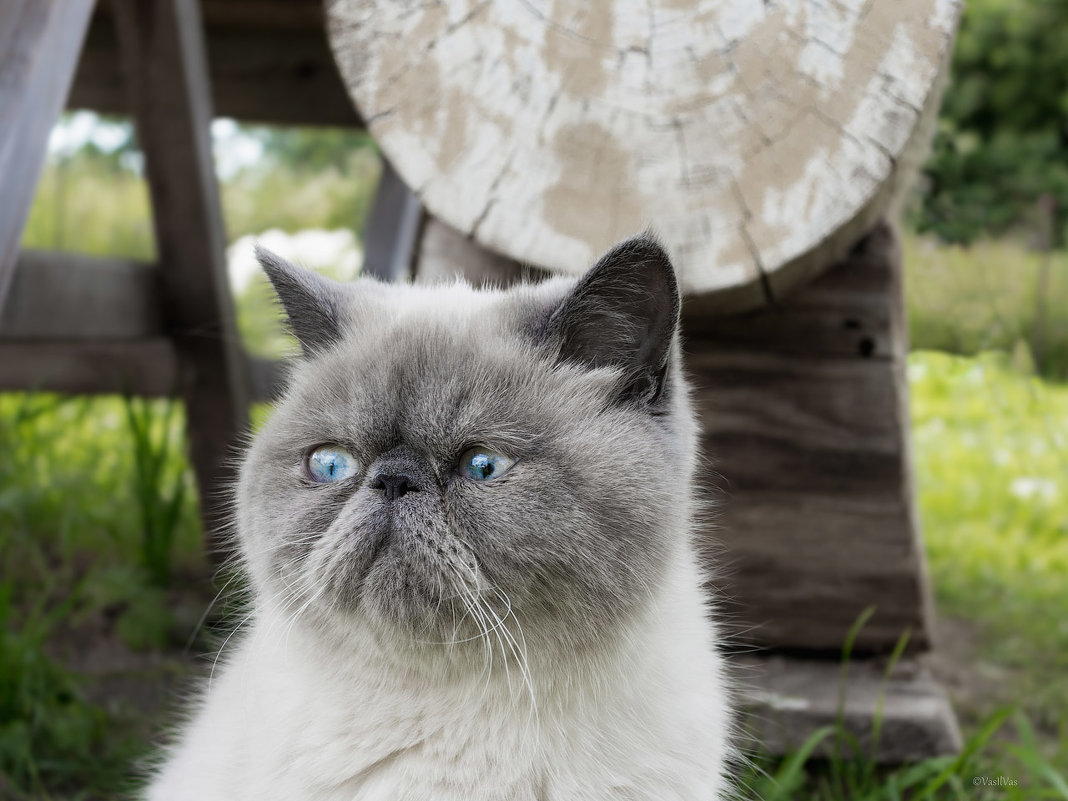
[
  {"x": 65, "y": 297},
  {"x": 805, "y": 414},
  {"x": 144, "y": 367},
  {"x": 784, "y": 700},
  {"x": 269, "y": 62},
  {"x": 165, "y": 70},
  {"x": 39, "y": 45},
  {"x": 760, "y": 139}
]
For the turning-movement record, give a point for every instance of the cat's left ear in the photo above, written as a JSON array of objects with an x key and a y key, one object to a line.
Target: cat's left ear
[
  {"x": 623, "y": 313},
  {"x": 314, "y": 304}
]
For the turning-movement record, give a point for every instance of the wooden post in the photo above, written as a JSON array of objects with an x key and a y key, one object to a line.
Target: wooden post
[
  {"x": 392, "y": 229},
  {"x": 805, "y": 416},
  {"x": 39, "y": 45},
  {"x": 164, "y": 64}
]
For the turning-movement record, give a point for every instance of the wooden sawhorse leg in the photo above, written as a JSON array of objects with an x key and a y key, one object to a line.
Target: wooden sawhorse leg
[{"x": 165, "y": 67}]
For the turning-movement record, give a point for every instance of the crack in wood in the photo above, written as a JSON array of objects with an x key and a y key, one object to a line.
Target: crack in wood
[
  {"x": 491, "y": 194},
  {"x": 728, "y": 112}
]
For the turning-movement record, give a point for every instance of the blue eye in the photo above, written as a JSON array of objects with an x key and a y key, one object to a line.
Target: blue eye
[
  {"x": 329, "y": 464},
  {"x": 482, "y": 464}
]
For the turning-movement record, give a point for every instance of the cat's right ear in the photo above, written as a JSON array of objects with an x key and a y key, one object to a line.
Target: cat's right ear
[
  {"x": 623, "y": 313},
  {"x": 314, "y": 304}
]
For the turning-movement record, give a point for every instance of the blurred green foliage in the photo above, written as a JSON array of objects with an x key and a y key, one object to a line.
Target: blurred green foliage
[
  {"x": 991, "y": 461},
  {"x": 51, "y": 739},
  {"x": 1002, "y": 139},
  {"x": 988, "y": 296},
  {"x": 306, "y": 179},
  {"x": 96, "y": 201},
  {"x": 72, "y": 543}
]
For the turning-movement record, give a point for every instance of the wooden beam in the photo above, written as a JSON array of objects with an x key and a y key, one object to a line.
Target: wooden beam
[
  {"x": 894, "y": 718},
  {"x": 39, "y": 45},
  {"x": 805, "y": 417},
  {"x": 271, "y": 66},
  {"x": 391, "y": 234},
  {"x": 93, "y": 326},
  {"x": 165, "y": 68},
  {"x": 145, "y": 367},
  {"x": 66, "y": 297}
]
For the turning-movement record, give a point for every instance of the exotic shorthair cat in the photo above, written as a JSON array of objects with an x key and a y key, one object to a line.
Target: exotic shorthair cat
[{"x": 467, "y": 529}]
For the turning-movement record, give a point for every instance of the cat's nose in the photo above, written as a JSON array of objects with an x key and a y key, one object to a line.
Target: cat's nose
[
  {"x": 395, "y": 485},
  {"x": 400, "y": 471}
]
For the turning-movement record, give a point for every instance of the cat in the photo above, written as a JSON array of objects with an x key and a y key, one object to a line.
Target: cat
[{"x": 467, "y": 531}]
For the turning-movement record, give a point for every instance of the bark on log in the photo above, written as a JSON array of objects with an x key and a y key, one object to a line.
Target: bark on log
[{"x": 761, "y": 140}]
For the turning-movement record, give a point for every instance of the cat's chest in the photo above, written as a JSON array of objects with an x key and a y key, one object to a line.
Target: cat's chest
[{"x": 396, "y": 746}]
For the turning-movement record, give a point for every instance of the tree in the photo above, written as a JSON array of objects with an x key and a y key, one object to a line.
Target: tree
[{"x": 1002, "y": 139}]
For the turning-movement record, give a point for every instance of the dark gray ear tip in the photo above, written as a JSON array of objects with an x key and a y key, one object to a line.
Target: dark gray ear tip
[
  {"x": 645, "y": 245},
  {"x": 276, "y": 268},
  {"x": 644, "y": 251},
  {"x": 314, "y": 304},
  {"x": 643, "y": 257},
  {"x": 267, "y": 258}
]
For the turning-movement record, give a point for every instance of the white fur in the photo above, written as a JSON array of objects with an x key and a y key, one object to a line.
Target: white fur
[{"x": 291, "y": 717}]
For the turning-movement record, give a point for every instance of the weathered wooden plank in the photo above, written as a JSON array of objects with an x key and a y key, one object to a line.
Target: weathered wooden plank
[
  {"x": 269, "y": 62},
  {"x": 805, "y": 414},
  {"x": 145, "y": 367},
  {"x": 65, "y": 296},
  {"x": 165, "y": 70},
  {"x": 786, "y": 699},
  {"x": 391, "y": 234},
  {"x": 39, "y": 45},
  {"x": 846, "y": 317}
]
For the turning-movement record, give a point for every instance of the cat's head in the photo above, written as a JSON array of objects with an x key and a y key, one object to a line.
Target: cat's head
[{"x": 446, "y": 458}]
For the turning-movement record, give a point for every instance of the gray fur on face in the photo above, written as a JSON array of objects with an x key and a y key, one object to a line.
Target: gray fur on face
[{"x": 576, "y": 381}]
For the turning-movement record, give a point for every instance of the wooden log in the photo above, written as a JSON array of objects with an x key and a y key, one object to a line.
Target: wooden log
[
  {"x": 392, "y": 229},
  {"x": 760, "y": 140},
  {"x": 67, "y": 297},
  {"x": 785, "y": 699},
  {"x": 143, "y": 367},
  {"x": 805, "y": 416},
  {"x": 445, "y": 254},
  {"x": 269, "y": 62},
  {"x": 39, "y": 45},
  {"x": 165, "y": 70}
]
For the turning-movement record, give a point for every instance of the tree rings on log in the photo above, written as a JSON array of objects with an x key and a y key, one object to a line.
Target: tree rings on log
[{"x": 758, "y": 138}]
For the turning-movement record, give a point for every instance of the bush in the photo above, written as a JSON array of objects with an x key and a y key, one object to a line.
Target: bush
[{"x": 1002, "y": 139}]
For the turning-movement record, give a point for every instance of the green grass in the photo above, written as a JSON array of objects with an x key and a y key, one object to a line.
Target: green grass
[
  {"x": 988, "y": 297},
  {"x": 73, "y": 553},
  {"x": 991, "y": 448},
  {"x": 91, "y": 205}
]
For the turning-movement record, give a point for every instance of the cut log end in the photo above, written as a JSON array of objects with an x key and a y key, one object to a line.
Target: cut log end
[{"x": 759, "y": 140}]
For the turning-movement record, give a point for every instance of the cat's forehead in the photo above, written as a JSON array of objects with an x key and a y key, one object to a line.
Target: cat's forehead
[
  {"x": 452, "y": 333},
  {"x": 437, "y": 363}
]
